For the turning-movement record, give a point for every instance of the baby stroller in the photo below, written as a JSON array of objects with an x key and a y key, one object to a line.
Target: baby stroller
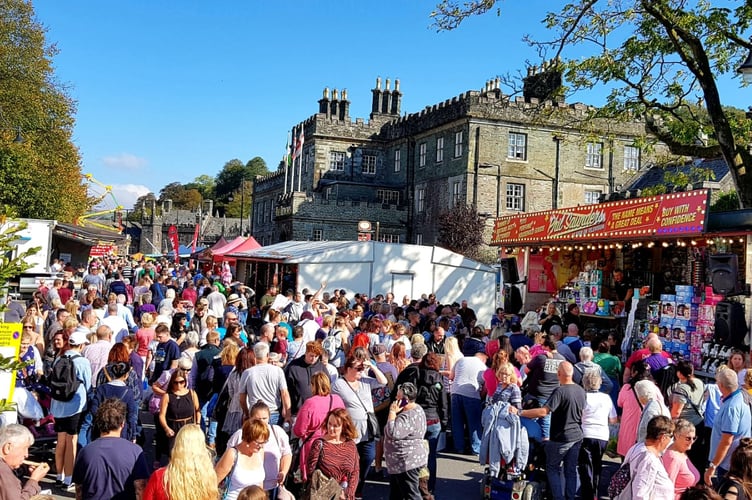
[
  {"x": 34, "y": 414},
  {"x": 512, "y": 455}
]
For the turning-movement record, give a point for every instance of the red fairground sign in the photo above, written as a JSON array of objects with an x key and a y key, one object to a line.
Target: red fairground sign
[
  {"x": 668, "y": 215},
  {"x": 102, "y": 251}
]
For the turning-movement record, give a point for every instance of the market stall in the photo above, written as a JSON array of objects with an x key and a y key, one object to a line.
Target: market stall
[{"x": 667, "y": 253}]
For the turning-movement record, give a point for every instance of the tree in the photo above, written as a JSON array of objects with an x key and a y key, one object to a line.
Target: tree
[
  {"x": 182, "y": 197},
  {"x": 660, "y": 58},
  {"x": 255, "y": 166},
  {"x": 461, "y": 230},
  {"x": 228, "y": 179},
  {"x": 142, "y": 209},
  {"x": 40, "y": 177},
  {"x": 204, "y": 184}
]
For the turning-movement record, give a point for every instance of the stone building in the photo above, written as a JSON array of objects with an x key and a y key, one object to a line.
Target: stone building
[
  {"x": 482, "y": 148},
  {"x": 150, "y": 235}
]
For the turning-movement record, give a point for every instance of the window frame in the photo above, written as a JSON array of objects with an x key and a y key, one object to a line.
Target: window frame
[
  {"x": 368, "y": 165},
  {"x": 512, "y": 198},
  {"x": 632, "y": 158},
  {"x": 317, "y": 235},
  {"x": 388, "y": 196},
  {"x": 397, "y": 160},
  {"x": 458, "y": 143},
  {"x": 591, "y": 192},
  {"x": 513, "y": 147},
  {"x": 422, "y": 148},
  {"x": 337, "y": 159},
  {"x": 591, "y": 155},
  {"x": 439, "y": 149},
  {"x": 420, "y": 199},
  {"x": 456, "y": 193}
]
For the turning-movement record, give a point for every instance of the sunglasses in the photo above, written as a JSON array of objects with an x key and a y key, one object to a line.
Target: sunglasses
[
  {"x": 181, "y": 382},
  {"x": 689, "y": 438}
]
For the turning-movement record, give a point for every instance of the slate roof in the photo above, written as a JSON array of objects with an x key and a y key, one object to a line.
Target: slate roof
[{"x": 654, "y": 175}]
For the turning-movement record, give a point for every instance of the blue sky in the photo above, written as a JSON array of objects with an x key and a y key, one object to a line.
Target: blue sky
[{"x": 169, "y": 90}]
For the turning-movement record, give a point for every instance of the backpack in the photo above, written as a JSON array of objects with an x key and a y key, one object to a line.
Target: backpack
[
  {"x": 332, "y": 343},
  {"x": 118, "y": 288},
  {"x": 62, "y": 381}
]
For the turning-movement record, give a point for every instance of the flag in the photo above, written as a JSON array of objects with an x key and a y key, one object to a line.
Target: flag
[
  {"x": 287, "y": 158},
  {"x": 299, "y": 144},
  {"x": 172, "y": 234},
  {"x": 294, "y": 148},
  {"x": 195, "y": 238}
]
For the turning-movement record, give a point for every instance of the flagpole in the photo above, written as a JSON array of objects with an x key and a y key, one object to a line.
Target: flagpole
[
  {"x": 301, "y": 139},
  {"x": 292, "y": 169},
  {"x": 287, "y": 160}
]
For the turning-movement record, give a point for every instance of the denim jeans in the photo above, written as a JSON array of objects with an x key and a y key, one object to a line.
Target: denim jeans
[
  {"x": 432, "y": 436},
  {"x": 208, "y": 425},
  {"x": 466, "y": 411},
  {"x": 366, "y": 452},
  {"x": 562, "y": 486}
]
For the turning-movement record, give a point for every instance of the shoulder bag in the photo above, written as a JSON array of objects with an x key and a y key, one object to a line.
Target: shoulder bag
[
  {"x": 372, "y": 423},
  {"x": 225, "y": 489},
  {"x": 321, "y": 487}
]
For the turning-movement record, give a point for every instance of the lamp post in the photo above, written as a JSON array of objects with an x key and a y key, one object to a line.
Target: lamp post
[
  {"x": 498, "y": 184},
  {"x": 746, "y": 68},
  {"x": 242, "y": 203}
]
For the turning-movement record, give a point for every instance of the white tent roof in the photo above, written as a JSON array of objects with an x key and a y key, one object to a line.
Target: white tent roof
[{"x": 294, "y": 252}]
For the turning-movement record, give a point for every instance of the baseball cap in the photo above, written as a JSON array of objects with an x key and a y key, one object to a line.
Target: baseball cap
[{"x": 79, "y": 336}]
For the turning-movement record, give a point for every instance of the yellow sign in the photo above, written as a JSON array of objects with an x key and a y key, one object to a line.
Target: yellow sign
[{"x": 10, "y": 344}]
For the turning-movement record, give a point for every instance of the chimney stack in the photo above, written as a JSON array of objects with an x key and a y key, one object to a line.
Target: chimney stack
[
  {"x": 335, "y": 104},
  {"x": 377, "y": 97},
  {"x": 396, "y": 98},
  {"x": 344, "y": 107},
  {"x": 324, "y": 103},
  {"x": 386, "y": 103}
]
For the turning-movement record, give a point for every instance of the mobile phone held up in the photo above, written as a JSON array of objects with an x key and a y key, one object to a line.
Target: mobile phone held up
[{"x": 403, "y": 402}]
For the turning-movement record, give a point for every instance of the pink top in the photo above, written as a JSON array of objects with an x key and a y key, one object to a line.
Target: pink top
[
  {"x": 680, "y": 470},
  {"x": 630, "y": 419},
  {"x": 490, "y": 381},
  {"x": 308, "y": 425},
  {"x": 144, "y": 337},
  {"x": 537, "y": 349}
]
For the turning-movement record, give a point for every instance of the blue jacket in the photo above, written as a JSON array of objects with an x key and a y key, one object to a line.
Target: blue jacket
[
  {"x": 504, "y": 439},
  {"x": 118, "y": 390}
]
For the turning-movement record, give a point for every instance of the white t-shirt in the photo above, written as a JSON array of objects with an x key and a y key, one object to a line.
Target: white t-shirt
[
  {"x": 468, "y": 376},
  {"x": 598, "y": 410},
  {"x": 390, "y": 341},
  {"x": 277, "y": 446}
]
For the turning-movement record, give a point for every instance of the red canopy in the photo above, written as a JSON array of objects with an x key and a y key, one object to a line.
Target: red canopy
[{"x": 246, "y": 246}]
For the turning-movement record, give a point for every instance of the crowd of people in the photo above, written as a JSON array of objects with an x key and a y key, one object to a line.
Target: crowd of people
[{"x": 310, "y": 392}]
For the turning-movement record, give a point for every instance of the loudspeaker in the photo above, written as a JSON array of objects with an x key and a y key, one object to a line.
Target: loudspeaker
[
  {"x": 730, "y": 325},
  {"x": 724, "y": 273},
  {"x": 509, "y": 272}
]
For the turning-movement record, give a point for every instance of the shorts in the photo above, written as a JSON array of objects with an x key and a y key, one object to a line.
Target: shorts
[{"x": 69, "y": 425}]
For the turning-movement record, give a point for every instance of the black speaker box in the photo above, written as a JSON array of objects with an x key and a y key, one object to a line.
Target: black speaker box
[
  {"x": 509, "y": 272},
  {"x": 724, "y": 273},
  {"x": 730, "y": 324}
]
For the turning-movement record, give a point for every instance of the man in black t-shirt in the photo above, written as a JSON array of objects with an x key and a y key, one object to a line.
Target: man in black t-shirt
[
  {"x": 623, "y": 288},
  {"x": 565, "y": 406}
]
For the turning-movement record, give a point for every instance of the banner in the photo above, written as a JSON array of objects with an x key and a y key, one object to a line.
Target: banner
[
  {"x": 101, "y": 251},
  {"x": 10, "y": 342},
  {"x": 668, "y": 215},
  {"x": 172, "y": 234},
  {"x": 195, "y": 238}
]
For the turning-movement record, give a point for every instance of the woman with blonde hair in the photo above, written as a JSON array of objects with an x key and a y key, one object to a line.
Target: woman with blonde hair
[
  {"x": 452, "y": 354},
  {"x": 189, "y": 475}
]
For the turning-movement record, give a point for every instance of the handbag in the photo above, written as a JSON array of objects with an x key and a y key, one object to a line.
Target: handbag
[
  {"x": 321, "y": 487},
  {"x": 621, "y": 480},
  {"x": 373, "y": 430},
  {"x": 227, "y": 480}
]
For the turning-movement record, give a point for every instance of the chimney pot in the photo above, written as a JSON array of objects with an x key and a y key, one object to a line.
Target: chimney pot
[
  {"x": 396, "y": 85},
  {"x": 387, "y": 84},
  {"x": 344, "y": 94},
  {"x": 335, "y": 95},
  {"x": 326, "y": 92},
  {"x": 378, "y": 83}
]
